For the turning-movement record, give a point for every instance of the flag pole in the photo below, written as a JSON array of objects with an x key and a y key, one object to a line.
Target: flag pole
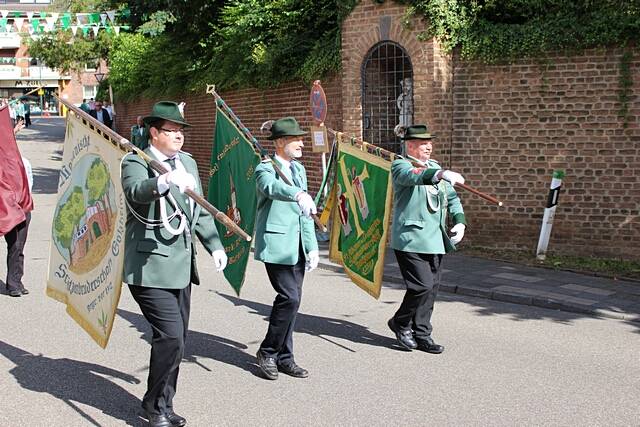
[
  {"x": 211, "y": 89},
  {"x": 127, "y": 146}
]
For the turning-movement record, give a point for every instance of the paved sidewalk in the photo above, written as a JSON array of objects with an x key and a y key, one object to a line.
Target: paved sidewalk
[{"x": 514, "y": 283}]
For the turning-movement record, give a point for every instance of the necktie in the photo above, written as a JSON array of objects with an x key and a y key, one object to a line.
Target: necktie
[
  {"x": 294, "y": 176},
  {"x": 172, "y": 163}
]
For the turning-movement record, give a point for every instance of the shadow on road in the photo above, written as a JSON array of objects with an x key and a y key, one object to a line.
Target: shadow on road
[
  {"x": 201, "y": 345},
  {"x": 323, "y": 327},
  {"x": 45, "y": 180},
  {"x": 73, "y": 381}
]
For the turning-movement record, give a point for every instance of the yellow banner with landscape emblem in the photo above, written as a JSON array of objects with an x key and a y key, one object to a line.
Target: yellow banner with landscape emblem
[{"x": 87, "y": 236}]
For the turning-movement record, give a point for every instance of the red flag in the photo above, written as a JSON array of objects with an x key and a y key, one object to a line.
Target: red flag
[{"x": 15, "y": 197}]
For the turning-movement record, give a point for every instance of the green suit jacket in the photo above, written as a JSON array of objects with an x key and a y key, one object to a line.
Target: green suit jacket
[
  {"x": 418, "y": 226},
  {"x": 279, "y": 223},
  {"x": 140, "y": 141},
  {"x": 153, "y": 256}
]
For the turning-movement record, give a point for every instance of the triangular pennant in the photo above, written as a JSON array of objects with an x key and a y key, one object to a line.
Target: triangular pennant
[
  {"x": 65, "y": 21},
  {"x": 74, "y": 29},
  {"x": 8, "y": 27},
  {"x": 112, "y": 15},
  {"x": 94, "y": 18},
  {"x": 43, "y": 15},
  {"x": 103, "y": 19},
  {"x": 85, "y": 30},
  {"x": 116, "y": 29},
  {"x": 19, "y": 23},
  {"x": 4, "y": 13},
  {"x": 35, "y": 23},
  {"x": 51, "y": 21},
  {"x": 29, "y": 15},
  {"x": 81, "y": 18},
  {"x": 3, "y": 22},
  {"x": 31, "y": 29},
  {"x": 55, "y": 16},
  {"x": 95, "y": 29},
  {"x": 126, "y": 13}
]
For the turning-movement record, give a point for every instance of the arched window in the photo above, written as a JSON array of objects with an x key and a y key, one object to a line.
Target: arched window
[{"x": 387, "y": 94}]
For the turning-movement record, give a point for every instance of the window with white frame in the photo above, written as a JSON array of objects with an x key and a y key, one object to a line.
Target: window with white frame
[{"x": 89, "y": 92}]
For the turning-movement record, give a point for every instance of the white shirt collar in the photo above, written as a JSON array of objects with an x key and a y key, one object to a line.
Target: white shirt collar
[{"x": 283, "y": 162}]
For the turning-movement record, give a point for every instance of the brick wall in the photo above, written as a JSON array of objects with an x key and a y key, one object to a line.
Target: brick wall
[
  {"x": 515, "y": 124},
  {"x": 253, "y": 107}
]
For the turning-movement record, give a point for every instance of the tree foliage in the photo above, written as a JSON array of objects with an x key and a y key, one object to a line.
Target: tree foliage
[{"x": 503, "y": 31}]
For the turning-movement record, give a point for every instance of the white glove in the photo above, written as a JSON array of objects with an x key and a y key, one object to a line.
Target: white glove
[
  {"x": 453, "y": 177},
  {"x": 312, "y": 262},
  {"x": 457, "y": 233},
  {"x": 181, "y": 179},
  {"x": 307, "y": 206},
  {"x": 220, "y": 259}
]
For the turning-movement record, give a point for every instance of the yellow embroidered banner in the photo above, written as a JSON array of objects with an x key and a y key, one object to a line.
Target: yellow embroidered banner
[
  {"x": 87, "y": 236},
  {"x": 361, "y": 216}
]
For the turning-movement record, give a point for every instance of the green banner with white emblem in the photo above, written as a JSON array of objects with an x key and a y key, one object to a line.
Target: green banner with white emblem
[
  {"x": 232, "y": 188},
  {"x": 361, "y": 216}
]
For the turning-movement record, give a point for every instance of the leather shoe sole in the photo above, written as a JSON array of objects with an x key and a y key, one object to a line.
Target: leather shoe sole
[
  {"x": 268, "y": 368},
  {"x": 406, "y": 342},
  {"x": 15, "y": 293}
]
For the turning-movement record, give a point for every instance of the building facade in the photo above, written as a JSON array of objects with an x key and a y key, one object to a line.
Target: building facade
[{"x": 20, "y": 74}]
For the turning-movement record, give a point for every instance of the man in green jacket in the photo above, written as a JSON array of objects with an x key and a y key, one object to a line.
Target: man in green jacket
[
  {"x": 160, "y": 262},
  {"x": 422, "y": 195},
  {"x": 139, "y": 134},
  {"x": 285, "y": 241}
]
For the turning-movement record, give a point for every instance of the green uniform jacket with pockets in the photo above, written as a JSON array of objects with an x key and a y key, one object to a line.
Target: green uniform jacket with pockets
[
  {"x": 153, "y": 256},
  {"x": 279, "y": 223},
  {"x": 416, "y": 227}
]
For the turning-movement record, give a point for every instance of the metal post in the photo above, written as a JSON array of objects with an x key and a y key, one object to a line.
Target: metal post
[{"x": 549, "y": 214}]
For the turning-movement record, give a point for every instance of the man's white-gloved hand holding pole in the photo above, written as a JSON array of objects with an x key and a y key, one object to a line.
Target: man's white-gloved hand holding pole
[
  {"x": 451, "y": 176},
  {"x": 312, "y": 262},
  {"x": 457, "y": 233},
  {"x": 306, "y": 203},
  {"x": 220, "y": 259},
  {"x": 180, "y": 178}
]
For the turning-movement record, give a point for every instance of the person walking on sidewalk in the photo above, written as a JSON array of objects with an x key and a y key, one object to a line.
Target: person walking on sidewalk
[
  {"x": 16, "y": 204},
  {"x": 160, "y": 261},
  {"x": 422, "y": 197},
  {"x": 286, "y": 242}
]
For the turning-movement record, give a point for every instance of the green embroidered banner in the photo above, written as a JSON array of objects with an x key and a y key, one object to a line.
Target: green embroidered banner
[
  {"x": 361, "y": 216},
  {"x": 232, "y": 188}
]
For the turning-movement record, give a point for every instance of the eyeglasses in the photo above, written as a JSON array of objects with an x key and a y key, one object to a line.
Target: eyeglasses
[{"x": 172, "y": 131}]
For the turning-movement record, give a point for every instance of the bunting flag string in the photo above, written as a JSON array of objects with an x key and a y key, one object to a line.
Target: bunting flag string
[{"x": 90, "y": 23}]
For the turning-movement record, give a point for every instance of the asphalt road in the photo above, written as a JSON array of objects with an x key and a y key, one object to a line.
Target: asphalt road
[{"x": 504, "y": 364}]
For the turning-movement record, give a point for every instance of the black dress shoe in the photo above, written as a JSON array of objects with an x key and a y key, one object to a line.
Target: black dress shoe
[
  {"x": 405, "y": 338},
  {"x": 15, "y": 292},
  {"x": 158, "y": 420},
  {"x": 427, "y": 344},
  {"x": 176, "y": 419},
  {"x": 24, "y": 291},
  {"x": 268, "y": 366},
  {"x": 293, "y": 369}
]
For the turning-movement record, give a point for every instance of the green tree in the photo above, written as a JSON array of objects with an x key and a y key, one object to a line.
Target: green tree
[
  {"x": 98, "y": 184},
  {"x": 66, "y": 222}
]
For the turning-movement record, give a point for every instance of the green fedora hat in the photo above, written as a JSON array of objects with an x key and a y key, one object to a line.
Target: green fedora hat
[
  {"x": 417, "y": 132},
  {"x": 287, "y": 126},
  {"x": 165, "y": 110}
]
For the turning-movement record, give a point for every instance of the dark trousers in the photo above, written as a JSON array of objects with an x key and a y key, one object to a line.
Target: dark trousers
[
  {"x": 421, "y": 274},
  {"x": 167, "y": 310},
  {"x": 287, "y": 282},
  {"x": 16, "y": 239},
  {"x": 27, "y": 120}
]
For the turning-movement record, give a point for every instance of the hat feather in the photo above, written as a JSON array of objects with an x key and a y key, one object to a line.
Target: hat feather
[{"x": 266, "y": 126}]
